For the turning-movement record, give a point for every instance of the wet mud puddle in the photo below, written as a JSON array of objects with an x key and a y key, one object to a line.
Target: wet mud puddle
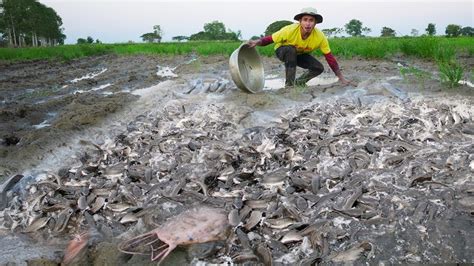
[{"x": 340, "y": 176}]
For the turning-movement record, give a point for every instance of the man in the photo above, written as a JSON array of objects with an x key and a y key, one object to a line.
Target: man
[{"x": 294, "y": 43}]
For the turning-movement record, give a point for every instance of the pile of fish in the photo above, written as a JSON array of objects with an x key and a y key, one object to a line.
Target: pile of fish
[
  {"x": 209, "y": 85},
  {"x": 333, "y": 182}
]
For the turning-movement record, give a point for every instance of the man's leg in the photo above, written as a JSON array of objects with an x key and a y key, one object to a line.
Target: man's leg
[
  {"x": 313, "y": 66},
  {"x": 287, "y": 54}
]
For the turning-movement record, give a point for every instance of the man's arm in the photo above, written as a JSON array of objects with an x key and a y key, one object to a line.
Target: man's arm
[
  {"x": 261, "y": 42},
  {"x": 332, "y": 63},
  {"x": 335, "y": 68}
]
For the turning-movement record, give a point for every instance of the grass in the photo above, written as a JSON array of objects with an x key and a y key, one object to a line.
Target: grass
[
  {"x": 431, "y": 48},
  {"x": 65, "y": 52},
  {"x": 450, "y": 73},
  {"x": 68, "y": 52},
  {"x": 420, "y": 76},
  {"x": 441, "y": 50}
]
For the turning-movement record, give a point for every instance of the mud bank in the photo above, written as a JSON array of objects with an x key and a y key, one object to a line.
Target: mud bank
[{"x": 45, "y": 103}]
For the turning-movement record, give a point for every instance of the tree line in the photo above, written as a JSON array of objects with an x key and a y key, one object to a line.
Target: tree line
[
  {"x": 212, "y": 31},
  {"x": 355, "y": 28},
  {"x": 216, "y": 31},
  {"x": 29, "y": 23}
]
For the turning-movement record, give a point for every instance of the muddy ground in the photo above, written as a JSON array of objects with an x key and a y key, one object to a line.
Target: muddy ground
[
  {"x": 50, "y": 111},
  {"x": 42, "y": 105}
]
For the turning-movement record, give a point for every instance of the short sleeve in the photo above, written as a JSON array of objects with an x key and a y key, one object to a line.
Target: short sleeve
[
  {"x": 324, "y": 46},
  {"x": 280, "y": 35}
]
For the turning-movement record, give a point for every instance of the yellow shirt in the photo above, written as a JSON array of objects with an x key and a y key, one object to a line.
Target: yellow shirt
[{"x": 291, "y": 35}]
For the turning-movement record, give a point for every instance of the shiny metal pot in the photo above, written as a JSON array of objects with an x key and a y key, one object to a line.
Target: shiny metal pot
[{"x": 246, "y": 69}]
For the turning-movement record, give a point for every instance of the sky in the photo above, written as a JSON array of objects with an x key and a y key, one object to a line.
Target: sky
[{"x": 113, "y": 21}]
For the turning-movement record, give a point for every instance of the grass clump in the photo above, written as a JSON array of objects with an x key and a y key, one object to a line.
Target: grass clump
[{"x": 450, "y": 73}]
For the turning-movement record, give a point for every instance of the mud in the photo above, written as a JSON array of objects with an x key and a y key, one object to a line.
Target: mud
[
  {"x": 43, "y": 103},
  {"x": 49, "y": 111}
]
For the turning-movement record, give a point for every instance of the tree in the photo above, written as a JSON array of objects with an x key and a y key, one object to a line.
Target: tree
[
  {"x": 354, "y": 27},
  {"x": 150, "y": 37},
  {"x": 453, "y": 30},
  {"x": 3, "y": 42},
  {"x": 387, "y": 32},
  {"x": 200, "y": 36},
  {"x": 332, "y": 31},
  {"x": 158, "y": 32},
  {"x": 215, "y": 30},
  {"x": 28, "y": 22},
  {"x": 180, "y": 38},
  {"x": 154, "y": 36},
  {"x": 81, "y": 41},
  {"x": 467, "y": 31},
  {"x": 276, "y": 26},
  {"x": 431, "y": 29},
  {"x": 328, "y": 32},
  {"x": 51, "y": 24},
  {"x": 414, "y": 32},
  {"x": 233, "y": 35},
  {"x": 366, "y": 30},
  {"x": 88, "y": 40}
]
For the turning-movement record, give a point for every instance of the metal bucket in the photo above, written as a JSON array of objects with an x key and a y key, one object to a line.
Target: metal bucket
[{"x": 246, "y": 69}]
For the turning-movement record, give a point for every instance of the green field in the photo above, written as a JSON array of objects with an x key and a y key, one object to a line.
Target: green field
[{"x": 432, "y": 48}]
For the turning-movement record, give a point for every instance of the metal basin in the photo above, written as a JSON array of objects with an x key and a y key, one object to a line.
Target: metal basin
[{"x": 246, "y": 69}]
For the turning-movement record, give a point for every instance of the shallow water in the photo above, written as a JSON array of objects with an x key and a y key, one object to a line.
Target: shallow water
[
  {"x": 89, "y": 76},
  {"x": 273, "y": 83}
]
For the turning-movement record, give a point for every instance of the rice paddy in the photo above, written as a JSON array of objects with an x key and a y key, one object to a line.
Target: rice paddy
[{"x": 431, "y": 48}]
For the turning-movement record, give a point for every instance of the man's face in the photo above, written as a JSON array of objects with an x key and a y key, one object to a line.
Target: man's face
[{"x": 307, "y": 23}]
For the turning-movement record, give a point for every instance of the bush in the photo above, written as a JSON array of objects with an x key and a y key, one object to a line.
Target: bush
[{"x": 276, "y": 26}]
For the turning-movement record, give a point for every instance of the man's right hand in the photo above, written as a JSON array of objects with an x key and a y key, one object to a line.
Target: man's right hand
[{"x": 253, "y": 43}]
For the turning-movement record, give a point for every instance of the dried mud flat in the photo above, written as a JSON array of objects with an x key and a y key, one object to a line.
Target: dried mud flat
[{"x": 324, "y": 174}]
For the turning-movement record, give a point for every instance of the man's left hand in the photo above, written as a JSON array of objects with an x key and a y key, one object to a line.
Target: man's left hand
[{"x": 346, "y": 82}]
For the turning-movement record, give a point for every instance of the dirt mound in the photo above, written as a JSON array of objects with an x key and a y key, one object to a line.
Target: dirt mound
[{"x": 88, "y": 109}]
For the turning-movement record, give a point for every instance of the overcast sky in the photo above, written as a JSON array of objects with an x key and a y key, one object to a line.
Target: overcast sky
[{"x": 120, "y": 21}]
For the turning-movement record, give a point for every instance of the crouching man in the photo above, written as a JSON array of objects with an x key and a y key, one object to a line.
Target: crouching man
[{"x": 295, "y": 42}]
